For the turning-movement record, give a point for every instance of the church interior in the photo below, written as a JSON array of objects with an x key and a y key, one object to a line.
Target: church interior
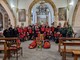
[{"x": 39, "y": 30}]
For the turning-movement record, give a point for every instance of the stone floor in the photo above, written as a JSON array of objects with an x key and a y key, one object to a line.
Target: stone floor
[{"x": 44, "y": 54}]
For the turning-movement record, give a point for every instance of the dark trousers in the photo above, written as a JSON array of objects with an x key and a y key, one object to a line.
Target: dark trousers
[
  {"x": 56, "y": 39},
  {"x": 30, "y": 36}
]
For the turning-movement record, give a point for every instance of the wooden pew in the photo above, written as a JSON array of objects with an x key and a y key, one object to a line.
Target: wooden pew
[
  {"x": 76, "y": 54},
  {"x": 5, "y": 45},
  {"x": 61, "y": 40},
  {"x": 70, "y": 50}
]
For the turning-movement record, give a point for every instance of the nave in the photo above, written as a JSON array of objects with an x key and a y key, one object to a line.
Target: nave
[{"x": 29, "y": 25}]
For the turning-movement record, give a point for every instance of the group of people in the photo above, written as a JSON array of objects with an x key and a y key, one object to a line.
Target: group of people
[
  {"x": 44, "y": 31},
  {"x": 10, "y": 32}
]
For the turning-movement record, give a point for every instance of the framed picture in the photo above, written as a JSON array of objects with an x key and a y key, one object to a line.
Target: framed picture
[
  {"x": 22, "y": 15},
  {"x": 62, "y": 14}
]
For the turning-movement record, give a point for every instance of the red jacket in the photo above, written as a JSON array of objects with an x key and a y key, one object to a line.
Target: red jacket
[
  {"x": 30, "y": 31},
  {"x": 43, "y": 29},
  {"x": 52, "y": 29},
  {"x": 57, "y": 35}
]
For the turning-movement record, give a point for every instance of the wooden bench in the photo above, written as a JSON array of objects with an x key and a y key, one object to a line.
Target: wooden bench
[
  {"x": 6, "y": 54},
  {"x": 76, "y": 54},
  {"x": 70, "y": 50},
  {"x": 61, "y": 40}
]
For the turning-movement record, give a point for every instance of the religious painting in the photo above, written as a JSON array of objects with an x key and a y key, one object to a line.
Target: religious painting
[
  {"x": 62, "y": 14},
  {"x": 1, "y": 22},
  {"x": 22, "y": 15}
]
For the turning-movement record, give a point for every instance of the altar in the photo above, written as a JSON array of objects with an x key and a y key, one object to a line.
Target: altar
[{"x": 42, "y": 13}]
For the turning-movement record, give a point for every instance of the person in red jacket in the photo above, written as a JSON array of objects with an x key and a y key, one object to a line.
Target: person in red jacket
[
  {"x": 57, "y": 35},
  {"x": 30, "y": 33},
  {"x": 25, "y": 29},
  {"x": 48, "y": 30},
  {"x": 52, "y": 32},
  {"x": 21, "y": 34},
  {"x": 42, "y": 30},
  {"x": 37, "y": 31}
]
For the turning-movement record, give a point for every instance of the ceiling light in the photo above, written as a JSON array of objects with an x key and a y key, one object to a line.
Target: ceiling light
[
  {"x": 71, "y": 3},
  {"x": 12, "y": 6}
]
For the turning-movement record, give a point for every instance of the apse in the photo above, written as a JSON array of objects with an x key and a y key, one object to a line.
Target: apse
[{"x": 42, "y": 13}]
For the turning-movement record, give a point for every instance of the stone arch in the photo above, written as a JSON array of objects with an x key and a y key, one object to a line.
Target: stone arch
[
  {"x": 75, "y": 12},
  {"x": 47, "y": 1},
  {"x": 8, "y": 10}
]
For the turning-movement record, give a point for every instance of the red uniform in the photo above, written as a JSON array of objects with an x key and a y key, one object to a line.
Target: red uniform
[
  {"x": 42, "y": 30},
  {"x": 48, "y": 31},
  {"x": 52, "y": 29},
  {"x": 57, "y": 35},
  {"x": 22, "y": 35},
  {"x": 30, "y": 32},
  {"x": 37, "y": 32}
]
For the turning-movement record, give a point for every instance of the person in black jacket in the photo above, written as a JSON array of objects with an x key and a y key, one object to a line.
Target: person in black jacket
[
  {"x": 15, "y": 32},
  {"x": 6, "y": 33},
  {"x": 11, "y": 31}
]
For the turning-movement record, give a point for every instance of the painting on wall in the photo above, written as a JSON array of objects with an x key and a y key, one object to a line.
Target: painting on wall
[
  {"x": 62, "y": 14},
  {"x": 22, "y": 15}
]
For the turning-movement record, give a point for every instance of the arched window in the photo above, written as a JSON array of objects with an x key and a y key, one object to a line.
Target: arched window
[
  {"x": 6, "y": 20},
  {"x": 1, "y": 21}
]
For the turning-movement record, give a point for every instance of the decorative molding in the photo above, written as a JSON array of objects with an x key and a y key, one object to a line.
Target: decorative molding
[
  {"x": 47, "y": 1},
  {"x": 75, "y": 12},
  {"x": 9, "y": 10}
]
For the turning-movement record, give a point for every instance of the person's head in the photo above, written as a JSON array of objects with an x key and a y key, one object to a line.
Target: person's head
[
  {"x": 17, "y": 26},
  {"x": 10, "y": 25},
  {"x": 54, "y": 32},
  {"x": 59, "y": 24},
  {"x": 37, "y": 38},
  {"x": 66, "y": 24},
  {"x": 58, "y": 32},
  {"x": 52, "y": 25}
]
